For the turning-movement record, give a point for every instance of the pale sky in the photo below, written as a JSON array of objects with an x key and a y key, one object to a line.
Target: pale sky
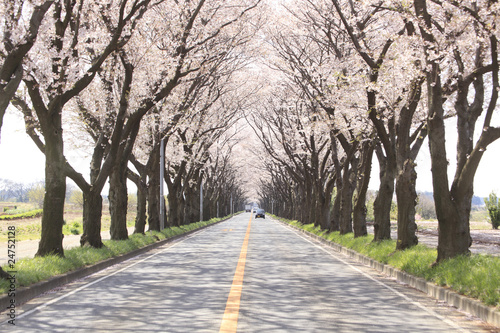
[{"x": 21, "y": 161}]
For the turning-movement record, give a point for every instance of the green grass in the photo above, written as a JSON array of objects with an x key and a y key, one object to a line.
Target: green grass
[
  {"x": 476, "y": 276},
  {"x": 33, "y": 270},
  {"x": 23, "y": 215},
  {"x": 74, "y": 227},
  {"x": 479, "y": 215}
]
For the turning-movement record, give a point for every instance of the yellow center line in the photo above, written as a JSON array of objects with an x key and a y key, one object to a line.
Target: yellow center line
[{"x": 230, "y": 319}]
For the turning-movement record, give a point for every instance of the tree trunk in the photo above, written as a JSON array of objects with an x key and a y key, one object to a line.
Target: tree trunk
[
  {"x": 452, "y": 212},
  {"x": 92, "y": 213},
  {"x": 140, "y": 219},
  {"x": 51, "y": 241},
  {"x": 335, "y": 215},
  {"x": 207, "y": 213},
  {"x": 454, "y": 232},
  {"x": 452, "y": 209},
  {"x": 346, "y": 194},
  {"x": 153, "y": 171},
  {"x": 154, "y": 204},
  {"x": 92, "y": 199},
  {"x": 192, "y": 205},
  {"x": 175, "y": 210},
  {"x": 4, "y": 275},
  {"x": 325, "y": 211},
  {"x": 118, "y": 197},
  {"x": 383, "y": 201},
  {"x": 407, "y": 200},
  {"x": 364, "y": 172}
]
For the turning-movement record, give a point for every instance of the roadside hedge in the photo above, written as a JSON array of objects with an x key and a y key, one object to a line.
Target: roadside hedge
[{"x": 27, "y": 215}]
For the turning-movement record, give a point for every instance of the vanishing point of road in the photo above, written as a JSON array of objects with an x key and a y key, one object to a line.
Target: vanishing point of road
[{"x": 243, "y": 275}]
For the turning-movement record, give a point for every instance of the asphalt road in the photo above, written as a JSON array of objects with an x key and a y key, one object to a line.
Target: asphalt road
[{"x": 284, "y": 283}]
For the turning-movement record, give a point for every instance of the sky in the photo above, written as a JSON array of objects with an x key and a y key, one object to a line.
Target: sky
[{"x": 21, "y": 161}]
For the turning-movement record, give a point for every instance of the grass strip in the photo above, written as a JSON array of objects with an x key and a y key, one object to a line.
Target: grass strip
[
  {"x": 33, "y": 270},
  {"x": 26, "y": 215},
  {"x": 476, "y": 275}
]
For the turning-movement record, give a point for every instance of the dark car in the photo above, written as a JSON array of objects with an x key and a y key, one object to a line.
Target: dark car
[{"x": 260, "y": 213}]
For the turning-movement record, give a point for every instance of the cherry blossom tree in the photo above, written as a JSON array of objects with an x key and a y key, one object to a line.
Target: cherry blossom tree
[
  {"x": 459, "y": 40},
  {"x": 70, "y": 49},
  {"x": 165, "y": 53},
  {"x": 340, "y": 51},
  {"x": 295, "y": 137},
  {"x": 318, "y": 63},
  {"x": 210, "y": 30},
  {"x": 393, "y": 90},
  {"x": 199, "y": 96},
  {"x": 189, "y": 153},
  {"x": 277, "y": 190},
  {"x": 224, "y": 174},
  {"x": 19, "y": 35}
]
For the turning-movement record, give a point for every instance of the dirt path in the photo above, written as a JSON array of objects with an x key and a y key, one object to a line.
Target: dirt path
[
  {"x": 483, "y": 241},
  {"x": 28, "y": 248}
]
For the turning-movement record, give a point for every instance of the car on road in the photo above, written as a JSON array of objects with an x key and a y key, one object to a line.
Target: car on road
[{"x": 260, "y": 213}]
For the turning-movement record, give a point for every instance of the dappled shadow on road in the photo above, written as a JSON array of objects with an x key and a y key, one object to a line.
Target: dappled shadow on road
[
  {"x": 310, "y": 291},
  {"x": 289, "y": 285},
  {"x": 180, "y": 290}
]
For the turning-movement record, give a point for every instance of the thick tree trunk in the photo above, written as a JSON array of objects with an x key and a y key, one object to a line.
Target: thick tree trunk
[
  {"x": 383, "y": 202},
  {"x": 92, "y": 213},
  {"x": 359, "y": 218},
  {"x": 288, "y": 210},
  {"x": 118, "y": 201},
  {"x": 207, "y": 213},
  {"x": 140, "y": 219},
  {"x": 175, "y": 210},
  {"x": 154, "y": 193},
  {"x": 51, "y": 241},
  {"x": 454, "y": 232},
  {"x": 4, "y": 275},
  {"x": 312, "y": 204},
  {"x": 154, "y": 204},
  {"x": 346, "y": 194},
  {"x": 92, "y": 200},
  {"x": 452, "y": 212},
  {"x": 407, "y": 200},
  {"x": 335, "y": 214},
  {"x": 297, "y": 205},
  {"x": 363, "y": 177},
  {"x": 324, "y": 209},
  {"x": 452, "y": 209},
  {"x": 192, "y": 206}
]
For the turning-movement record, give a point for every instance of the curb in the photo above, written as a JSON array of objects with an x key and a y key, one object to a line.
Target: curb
[
  {"x": 24, "y": 294},
  {"x": 464, "y": 303}
]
